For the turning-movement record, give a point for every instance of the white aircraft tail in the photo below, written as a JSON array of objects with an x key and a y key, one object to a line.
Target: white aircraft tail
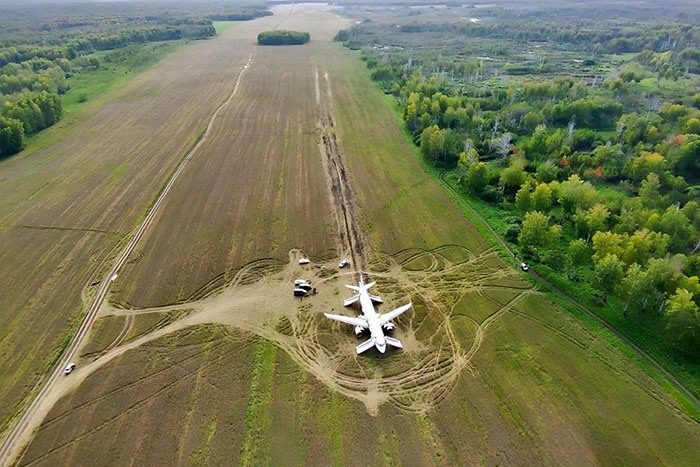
[
  {"x": 366, "y": 345},
  {"x": 351, "y": 300},
  {"x": 394, "y": 342}
]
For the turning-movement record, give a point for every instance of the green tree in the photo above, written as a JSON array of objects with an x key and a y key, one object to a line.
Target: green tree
[
  {"x": 611, "y": 158},
  {"x": 11, "y": 136},
  {"x": 432, "y": 143},
  {"x": 683, "y": 325},
  {"x": 577, "y": 254},
  {"x": 575, "y": 194},
  {"x": 476, "y": 177},
  {"x": 644, "y": 245},
  {"x": 608, "y": 243},
  {"x": 593, "y": 220},
  {"x": 650, "y": 192},
  {"x": 665, "y": 275},
  {"x": 513, "y": 176},
  {"x": 692, "y": 126},
  {"x": 608, "y": 273},
  {"x": 542, "y": 198},
  {"x": 675, "y": 224},
  {"x": 536, "y": 232},
  {"x": 635, "y": 289},
  {"x": 522, "y": 197},
  {"x": 547, "y": 172}
]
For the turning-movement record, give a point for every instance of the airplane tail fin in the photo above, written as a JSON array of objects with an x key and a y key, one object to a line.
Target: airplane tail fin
[
  {"x": 394, "y": 342},
  {"x": 351, "y": 300},
  {"x": 361, "y": 287},
  {"x": 366, "y": 345}
]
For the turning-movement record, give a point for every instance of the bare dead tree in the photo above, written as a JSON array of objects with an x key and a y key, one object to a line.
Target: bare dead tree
[
  {"x": 502, "y": 145},
  {"x": 621, "y": 128},
  {"x": 570, "y": 128}
]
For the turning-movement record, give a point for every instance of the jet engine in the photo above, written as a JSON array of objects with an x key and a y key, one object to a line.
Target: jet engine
[
  {"x": 359, "y": 330},
  {"x": 389, "y": 327}
]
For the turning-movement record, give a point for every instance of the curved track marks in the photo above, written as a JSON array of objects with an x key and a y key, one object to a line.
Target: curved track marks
[{"x": 35, "y": 412}]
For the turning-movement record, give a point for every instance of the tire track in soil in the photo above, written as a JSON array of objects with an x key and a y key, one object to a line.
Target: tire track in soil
[{"x": 343, "y": 201}]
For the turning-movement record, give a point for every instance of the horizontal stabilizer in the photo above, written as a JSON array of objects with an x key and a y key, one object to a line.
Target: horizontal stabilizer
[
  {"x": 369, "y": 286},
  {"x": 385, "y": 318},
  {"x": 351, "y": 300},
  {"x": 353, "y": 287},
  {"x": 394, "y": 342},
  {"x": 347, "y": 320},
  {"x": 376, "y": 299},
  {"x": 366, "y": 345}
]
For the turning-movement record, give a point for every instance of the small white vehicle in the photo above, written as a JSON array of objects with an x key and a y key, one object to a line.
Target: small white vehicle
[
  {"x": 306, "y": 286},
  {"x": 300, "y": 281},
  {"x": 343, "y": 263},
  {"x": 524, "y": 267},
  {"x": 300, "y": 292},
  {"x": 69, "y": 368},
  {"x": 304, "y": 261}
]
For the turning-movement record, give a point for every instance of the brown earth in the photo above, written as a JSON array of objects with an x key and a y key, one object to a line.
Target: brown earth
[
  {"x": 491, "y": 371},
  {"x": 537, "y": 390},
  {"x": 63, "y": 211}
]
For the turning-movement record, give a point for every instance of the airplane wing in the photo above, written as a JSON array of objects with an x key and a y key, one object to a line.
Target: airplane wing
[
  {"x": 385, "y": 318},
  {"x": 347, "y": 320},
  {"x": 351, "y": 300}
]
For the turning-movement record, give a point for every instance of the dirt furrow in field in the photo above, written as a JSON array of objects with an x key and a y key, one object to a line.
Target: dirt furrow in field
[{"x": 343, "y": 201}]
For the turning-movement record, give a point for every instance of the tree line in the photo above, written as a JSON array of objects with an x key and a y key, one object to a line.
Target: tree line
[
  {"x": 24, "y": 115},
  {"x": 597, "y": 185},
  {"x": 37, "y": 61}
]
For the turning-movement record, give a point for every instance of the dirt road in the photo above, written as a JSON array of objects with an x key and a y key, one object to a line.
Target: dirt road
[{"x": 31, "y": 418}]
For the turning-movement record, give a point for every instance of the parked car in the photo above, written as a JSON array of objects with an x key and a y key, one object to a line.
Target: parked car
[
  {"x": 304, "y": 261},
  {"x": 343, "y": 263},
  {"x": 524, "y": 267},
  {"x": 69, "y": 368}
]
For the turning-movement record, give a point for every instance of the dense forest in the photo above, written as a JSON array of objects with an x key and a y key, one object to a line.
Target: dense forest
[
  {"x": 41, "y": 48},
  {"x": 281, "y": 37},
  {"x": 587, "y": 162}
]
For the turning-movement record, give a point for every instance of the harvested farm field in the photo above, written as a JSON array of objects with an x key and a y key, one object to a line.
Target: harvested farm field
[
  {"x": 70, "y": 200},
  {"x": 200, "y": 354}
]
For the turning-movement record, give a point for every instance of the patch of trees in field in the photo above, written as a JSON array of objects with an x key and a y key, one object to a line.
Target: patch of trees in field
[
  {"x": 597, "y": 184},
  {"x": 38, "y": 58},
  {"x": 282, "y": 37}
]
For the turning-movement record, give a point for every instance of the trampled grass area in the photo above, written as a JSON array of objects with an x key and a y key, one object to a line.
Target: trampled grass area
[
  {"x": 127, "y": 62},
  {"x": 401, "y": 205}
]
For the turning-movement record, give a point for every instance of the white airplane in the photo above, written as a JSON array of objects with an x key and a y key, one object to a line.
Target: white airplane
[{"x": 376, "y": 323}]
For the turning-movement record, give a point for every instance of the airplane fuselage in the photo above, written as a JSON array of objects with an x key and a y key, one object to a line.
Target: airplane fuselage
[
  {"x": 377, "y": 324},
  {"x": 373, "y": 324}
]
